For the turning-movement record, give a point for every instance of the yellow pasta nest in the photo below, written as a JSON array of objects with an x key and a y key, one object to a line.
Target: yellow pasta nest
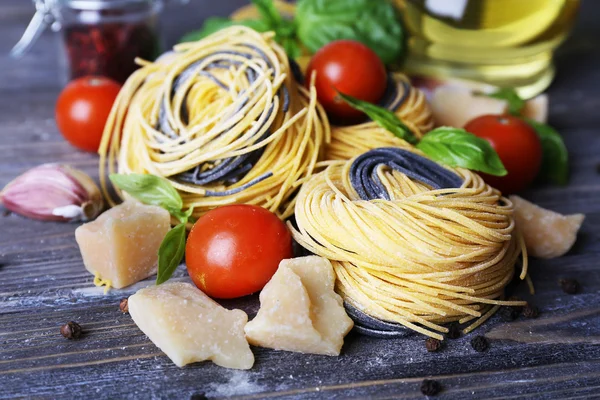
[
  {"x": 408, "y": 103},
  {"x": 222, "y": 119},
  {"x": 413, "y": 255}
]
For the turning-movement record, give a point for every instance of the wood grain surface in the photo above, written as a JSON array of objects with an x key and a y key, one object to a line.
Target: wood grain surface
[{"x": 43, "y": 283}]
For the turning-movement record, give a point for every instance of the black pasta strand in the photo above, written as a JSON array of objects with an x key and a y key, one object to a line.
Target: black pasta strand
[{"x": 366, "y": 182}]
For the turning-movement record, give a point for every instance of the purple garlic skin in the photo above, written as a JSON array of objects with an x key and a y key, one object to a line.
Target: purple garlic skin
[{"x": 53, "y": 192}]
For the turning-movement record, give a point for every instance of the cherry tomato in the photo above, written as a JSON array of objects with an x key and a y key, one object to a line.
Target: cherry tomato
[
  {"x": 517, "y": 145},
  {"x": 351, "y": 68},
  {"x": 82, "y": 109},
  {"x": 234, "y": 250}
]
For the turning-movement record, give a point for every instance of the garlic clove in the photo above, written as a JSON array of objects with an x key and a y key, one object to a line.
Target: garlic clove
[{"x": 53, "y": 192}]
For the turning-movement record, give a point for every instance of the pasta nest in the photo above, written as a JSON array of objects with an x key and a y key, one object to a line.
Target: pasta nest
[
  {"x": 222, "y": 119},
  {"x": 412, "y": 242}
]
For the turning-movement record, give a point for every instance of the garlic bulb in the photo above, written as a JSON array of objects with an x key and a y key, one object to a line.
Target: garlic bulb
[{"x": 53, "y": 192}]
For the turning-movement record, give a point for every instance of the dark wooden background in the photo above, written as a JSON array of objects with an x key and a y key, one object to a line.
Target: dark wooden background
[{"x": 43, "y": 283}]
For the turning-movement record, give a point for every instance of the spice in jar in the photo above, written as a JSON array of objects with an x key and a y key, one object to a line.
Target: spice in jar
[
  {"x": 100, "y": 37},
  {"x": 109, "y": 49}
]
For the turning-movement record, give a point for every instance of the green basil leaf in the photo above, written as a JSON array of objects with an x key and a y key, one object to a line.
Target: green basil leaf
[
  {"x": 268, "y": 13},
  {"x": 555, "y": 158},
  {"x": 291, "y": 47},
  {"x": 456, "y": 147},
  {"x": 383, "y": 117},
  {"x": 188, "y": 213},
  {"x": 510, "y": 95},
  {"x": 149, "y": 189},
  {"x": 170, "y": 253},
  {"x": 285, "y": 32},
  {"x": 373, "y": 22},
  {"x": 214, "y": 24}
]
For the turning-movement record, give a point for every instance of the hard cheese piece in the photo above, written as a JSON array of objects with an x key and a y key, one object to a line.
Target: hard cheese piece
[
  {"x": 299, "y": 310},
  {"x": 189, "y": 326},
  {"x": 547, "y": 234},
  {"x": 121, "y": 245},
  {"x": 455, "y": 106}
]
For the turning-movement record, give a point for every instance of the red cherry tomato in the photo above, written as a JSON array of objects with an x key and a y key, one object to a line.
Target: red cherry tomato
[
  {"x": 349, "y": 67},
  {"x": 233, "y": 251},
  {"x": 517, "y": 145},
  {"x": 82, "y": 109}
]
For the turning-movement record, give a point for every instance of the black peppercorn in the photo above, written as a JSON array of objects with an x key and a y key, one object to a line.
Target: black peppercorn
[
  {"x": 598, "y": 168},
  {"x": 480, "y": 344},
  {"x": 124, "y": 306},
  {"x": 432, "y": 344},
  {"x": 198, "y": 396},
  {"x": 429, "y": 387},
  {"x": 569, "y": 286},
  {"x": 453, "y": 331},
  {"x": 515, "y": 298},
  {"x": 530, "y": 311},
  {"x": 5, "y": 213},
  {"x": 71, "y": 330},
  {"x": 508, "y": 313}
]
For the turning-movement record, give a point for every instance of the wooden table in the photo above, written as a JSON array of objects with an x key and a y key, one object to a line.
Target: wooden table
[{"x": 43, "y": 283}]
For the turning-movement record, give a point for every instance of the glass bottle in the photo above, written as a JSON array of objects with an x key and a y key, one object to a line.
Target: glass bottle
[{"x": 507, "y": 43}]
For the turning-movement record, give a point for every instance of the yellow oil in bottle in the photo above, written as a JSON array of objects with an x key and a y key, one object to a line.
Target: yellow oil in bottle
[{"x": 502, "y": 42}]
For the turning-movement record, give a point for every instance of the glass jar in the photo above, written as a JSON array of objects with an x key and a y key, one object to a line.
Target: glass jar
[
  {"x": 98, "y": 37},
  {"x": 507, "y": 43}
]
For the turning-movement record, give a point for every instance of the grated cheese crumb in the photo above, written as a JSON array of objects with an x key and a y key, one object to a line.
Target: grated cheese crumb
[{"x": 98, "y": 281}]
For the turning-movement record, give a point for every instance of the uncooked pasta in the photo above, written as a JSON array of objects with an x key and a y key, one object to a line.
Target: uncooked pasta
[
  {"x": 406, "y": 101},
  {"x": 222, "y": 119},
  {"x": 414, "y": 244}
]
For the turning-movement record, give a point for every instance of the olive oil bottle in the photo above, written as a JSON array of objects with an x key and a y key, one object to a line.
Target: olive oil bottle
[{"x": 502, "y": 42}]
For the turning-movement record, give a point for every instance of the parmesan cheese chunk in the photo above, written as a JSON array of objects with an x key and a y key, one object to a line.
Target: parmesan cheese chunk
[
  {"x": 189, "y": 326},
  {"x": 121, "y": 245},
  {"x": 455, "y": 106},
  {"x": 547, "y": 234},
  {"x": 299, "y": 310}
]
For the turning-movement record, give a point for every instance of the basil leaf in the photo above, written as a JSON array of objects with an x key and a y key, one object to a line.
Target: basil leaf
[
  {"x": 149, "y": 189},
  {"x": 188, "y": 213},
  {"x": 383, "y": 117},
  {"x": 456, "y": 147},
  {"x": 291, "y": 47},
  {"x": 285, "y": 32},
  {"x": 510, "y": 95},
  {"x": 214, "y": 24},
  {"x": 268, "y": 13},
  {"x": 372, "y": 22},
  {"x": 170, "y": 253},
  {"x": 555, "y": 158}
]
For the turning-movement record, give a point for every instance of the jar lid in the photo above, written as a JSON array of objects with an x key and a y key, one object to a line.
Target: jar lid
[{"x": 97, "y": 5}]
